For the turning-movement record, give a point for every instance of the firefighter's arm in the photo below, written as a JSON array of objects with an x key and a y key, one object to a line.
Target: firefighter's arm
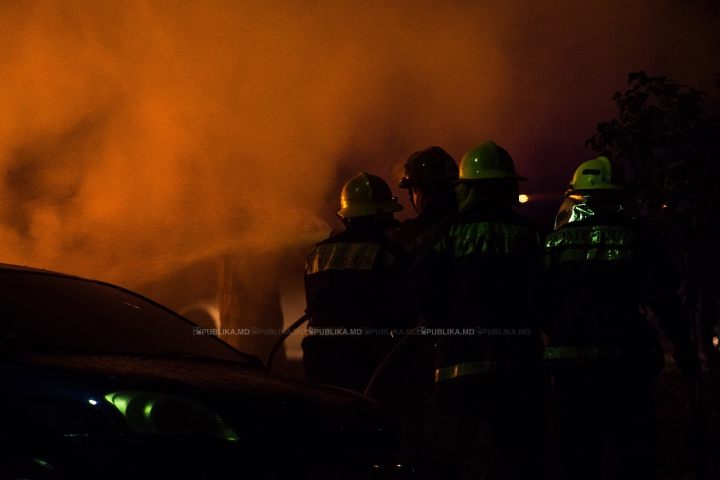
[{"x": 429, "y": 285}]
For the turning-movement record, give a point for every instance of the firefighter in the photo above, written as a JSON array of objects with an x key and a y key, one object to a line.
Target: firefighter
[
  {"x": 355, "y": 283},
  {"x": 429, "y": 176},
  {"x": 604, "y": 269},
  {"x": 404, "y": 380},
  {"x": 473, "y": 283}
]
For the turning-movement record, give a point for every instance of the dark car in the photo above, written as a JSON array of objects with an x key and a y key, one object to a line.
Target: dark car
[{"x": 99, "y": 382}]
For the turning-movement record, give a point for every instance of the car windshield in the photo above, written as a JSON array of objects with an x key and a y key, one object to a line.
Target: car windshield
[{"x": 49, "y": 312}]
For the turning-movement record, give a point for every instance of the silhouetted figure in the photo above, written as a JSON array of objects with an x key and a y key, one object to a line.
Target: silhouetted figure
[
  {"x": 604, "y": 269},
  {"x": 356, "y": 280},
  {"x": 404, "y": 381},
  {"x": 429, "y": 176},
  {"x": 476, "y": 271}
]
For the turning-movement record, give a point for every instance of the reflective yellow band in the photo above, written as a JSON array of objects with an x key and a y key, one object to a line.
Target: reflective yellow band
[
  {"x": 597, "y": 235},
  {"x": 468, "y": 238},
  {"x": 479, "y": 368},
  {"x": 342, "y": 256},
  {"x": 587, "y": 254},
  {"x": 586, "y": 353}
]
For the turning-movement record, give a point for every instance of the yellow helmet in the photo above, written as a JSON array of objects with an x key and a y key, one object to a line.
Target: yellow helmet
[
  {"x": 487, "y": 161},
  {"x": 593, "y": 175},
  {"x": 366, "y": 195}
]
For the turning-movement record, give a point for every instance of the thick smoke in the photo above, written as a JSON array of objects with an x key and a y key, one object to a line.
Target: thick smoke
[{"x": 137, "y": 137}]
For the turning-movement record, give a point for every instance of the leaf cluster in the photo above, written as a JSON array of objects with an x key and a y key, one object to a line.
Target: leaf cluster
[{"x": 668, "y": 150}]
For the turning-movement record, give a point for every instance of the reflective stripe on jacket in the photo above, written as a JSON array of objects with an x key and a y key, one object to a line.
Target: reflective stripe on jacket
[
  {"x": 357, "y": 279},
  {"x": 477, "y": 272},
  {"x": 483, "y": 367},
  {"x": 595, "y": 242},
  {"x": 585, "y": 353},
  {"x": 600, "y": 273}
]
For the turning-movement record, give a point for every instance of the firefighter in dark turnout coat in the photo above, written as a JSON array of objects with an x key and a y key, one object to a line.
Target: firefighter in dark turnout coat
[
  {"x": 429, "y": 176},
  {"x": 404, "y": 380},
  {"x": 604, "y": 269},
  {"x": 355, "y": 283},
  {"x": 474, "y": 280}
]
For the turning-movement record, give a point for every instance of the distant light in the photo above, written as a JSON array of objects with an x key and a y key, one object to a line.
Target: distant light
[
  {"x": 523, "y": 198},
  {"x": 715, "y": 341},
  {"x": 93, "y": 402}
]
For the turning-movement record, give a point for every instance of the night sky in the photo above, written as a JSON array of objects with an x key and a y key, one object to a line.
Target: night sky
[{"x": 137, "y": 137}]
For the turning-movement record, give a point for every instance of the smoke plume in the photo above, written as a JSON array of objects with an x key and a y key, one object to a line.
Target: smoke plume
[{"x": 137, "y": 137}]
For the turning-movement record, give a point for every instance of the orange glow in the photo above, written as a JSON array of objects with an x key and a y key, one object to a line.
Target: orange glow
[
  {"x": 138, "y": 137},
  {"x": 523, "y": 198}
]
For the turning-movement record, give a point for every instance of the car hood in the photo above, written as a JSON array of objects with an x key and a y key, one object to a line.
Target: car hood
[
  {"x": 225, "y": 380},
  {"x": 267, "y": 411}
]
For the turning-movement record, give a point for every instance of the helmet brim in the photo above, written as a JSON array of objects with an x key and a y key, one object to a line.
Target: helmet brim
[
  {"x": 492, "y": 174},
  {"x": 436, "y": 180},
  {"x": 594, "y": 188},
  {"x": 352, "y": 211}
]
